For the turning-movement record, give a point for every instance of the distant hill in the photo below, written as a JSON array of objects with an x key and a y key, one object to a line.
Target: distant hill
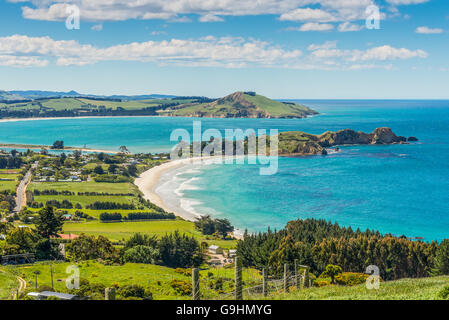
[
  {"x": 241, "y": 105},
  {"x": 37, "y": 104},
  {"x": 38, "y": 94}
]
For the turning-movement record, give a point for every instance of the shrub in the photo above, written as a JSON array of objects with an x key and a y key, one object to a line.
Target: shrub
[
  {"x": 444, "y": 293},
  {"x": 141, "y": 254},
  {"x": 351, "y": 278},
  {"x": 133, "y": 290},
  {"x": 181, "y": 287},
  {"x": 186, "y": 272}
]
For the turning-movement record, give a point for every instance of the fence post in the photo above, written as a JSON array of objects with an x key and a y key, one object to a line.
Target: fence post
[
  {"x": 285, "y": 277},
  {"x": 296, "y": 274},
  {"x": 195, "y": 284},
  {"x": 109, "y": 294},
  {"x": 264, "y": 282},
  {"x": 238, "y": 280},
  {"x": 305, "y": 278}
]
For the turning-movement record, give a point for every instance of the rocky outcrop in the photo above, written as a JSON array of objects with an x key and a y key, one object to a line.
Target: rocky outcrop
[
  {"x": 412, "y": 139},
  {"x": 300, "y": 143}
]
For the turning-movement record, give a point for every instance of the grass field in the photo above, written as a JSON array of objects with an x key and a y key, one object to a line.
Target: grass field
[
  {"x": 123, "y": 230},
  {"x": 87, "y": 186},
  {"x": 404, "y": 289},
  {"x": 156, "y": 278},
  {"x": 7, "y": 283}
]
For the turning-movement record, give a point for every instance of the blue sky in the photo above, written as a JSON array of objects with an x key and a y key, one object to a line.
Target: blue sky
[{"x": 279, "y": 48}]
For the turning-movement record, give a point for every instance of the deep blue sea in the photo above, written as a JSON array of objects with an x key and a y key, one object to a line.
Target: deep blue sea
[{"x": 398, "y": 189}]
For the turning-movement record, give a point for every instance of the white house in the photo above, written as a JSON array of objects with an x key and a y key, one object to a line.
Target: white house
[{"x": 213, "y": 249}]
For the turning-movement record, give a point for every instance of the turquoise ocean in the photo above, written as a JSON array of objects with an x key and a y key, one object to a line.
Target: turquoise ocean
[{"x": 398, "y": 189}]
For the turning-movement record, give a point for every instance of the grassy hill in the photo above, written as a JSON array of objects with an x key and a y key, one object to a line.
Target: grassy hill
[
  {"x": 241, "y": 105},
  {"x": 404, "y": 289}
]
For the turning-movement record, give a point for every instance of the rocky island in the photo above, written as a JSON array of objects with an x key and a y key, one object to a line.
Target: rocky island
[{"x": 298, "y": 143}]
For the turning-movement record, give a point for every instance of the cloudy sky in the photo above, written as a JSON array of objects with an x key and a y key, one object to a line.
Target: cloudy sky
[{"x": 279, "y": 48}]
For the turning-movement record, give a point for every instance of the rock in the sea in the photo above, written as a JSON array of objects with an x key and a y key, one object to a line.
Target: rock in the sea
[
  {"x": 386, "y": 136},
  {"x": 412, "y": 139},
  {"x": 324, "y": 152}
]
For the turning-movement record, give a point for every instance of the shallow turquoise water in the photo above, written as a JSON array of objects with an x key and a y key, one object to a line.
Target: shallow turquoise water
[{"x": 401, "y": 189}]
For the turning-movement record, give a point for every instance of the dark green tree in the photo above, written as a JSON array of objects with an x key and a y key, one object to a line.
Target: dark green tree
[{"x": 49, "y": 222}]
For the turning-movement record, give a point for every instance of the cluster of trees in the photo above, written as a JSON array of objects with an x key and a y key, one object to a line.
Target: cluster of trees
[
  {"x": 105, "y": 194},
  {"x": 7, "y": 202},
  {"x": 64, "y": 204},
  {"x": 317, "y": 243},
  {"x": 150, "y": 216},
  {"x": 11, "y": 162},
  {"x": 210, "y": 226},
  {"x": 114, "y": 216},
  {"x": 111, "y": 179},
  {"x": 52, "y": 192},
  {"x": 59, "y": 144},
  {"x": 173, "y": 250},
  {"x": 110, "y": 216},
  {"x": 39, "y": 240},
  {"x": 107, "y": 205}
]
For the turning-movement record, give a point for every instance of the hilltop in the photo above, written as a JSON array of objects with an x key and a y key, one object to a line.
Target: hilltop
[{"x": 241, "y": 105}]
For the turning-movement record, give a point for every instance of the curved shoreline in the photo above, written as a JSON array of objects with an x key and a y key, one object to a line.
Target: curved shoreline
[{"x": 149, "y": 180}]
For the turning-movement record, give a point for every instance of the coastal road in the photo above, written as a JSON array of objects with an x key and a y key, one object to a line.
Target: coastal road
[{"x": 21, "y": 190}]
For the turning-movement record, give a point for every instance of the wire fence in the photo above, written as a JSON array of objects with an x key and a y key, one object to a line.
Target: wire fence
[{"x": 237, "y": 283}]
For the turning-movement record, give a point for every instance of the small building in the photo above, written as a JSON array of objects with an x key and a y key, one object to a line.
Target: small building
[
  {"x": 47, "y": 294},
  {"x": 232, "y": 253},
  {"x": 2, "y": 237},
  {"x": 213, "y": 249}
]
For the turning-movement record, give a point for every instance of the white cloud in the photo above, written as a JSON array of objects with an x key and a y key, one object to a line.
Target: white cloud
[
  {"x": 313, "y": 26},
  {"x": 308, "y": 15},
  {"x": 97, "y": 27},
  {"x": 210, "y": 18},
  {"x": 427, "y": 30},
  {"x": 348, "y": 27},
  {"x": 389, "y": 53},
  {"x": 323, "y": 11},
  {"x": 225, "y": 52},
  {"x": 325, "y": 45},
  {"x": 406, "y": 2}
]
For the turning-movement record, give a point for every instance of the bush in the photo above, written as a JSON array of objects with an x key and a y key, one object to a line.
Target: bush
[
  {"x": 444, "y": 293},
  {"x": 186, "y": 272},
  {"x": 141, "y": 254},
  {"x": 351, "y": 278},
  {"x": 181, "y": 287},
  {"x": 133, "y": 290}
]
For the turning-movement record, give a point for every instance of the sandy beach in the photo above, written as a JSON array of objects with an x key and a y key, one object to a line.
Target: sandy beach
[{"x": 149, "y": 180}]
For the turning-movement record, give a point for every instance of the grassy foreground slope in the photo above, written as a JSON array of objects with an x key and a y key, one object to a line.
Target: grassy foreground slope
[
  {"x": 404, "y": 289},
  {"x": 242, "y": 105}
]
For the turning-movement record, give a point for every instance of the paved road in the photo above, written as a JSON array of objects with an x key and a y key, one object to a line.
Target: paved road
[{"x": 21, "y": 190}]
